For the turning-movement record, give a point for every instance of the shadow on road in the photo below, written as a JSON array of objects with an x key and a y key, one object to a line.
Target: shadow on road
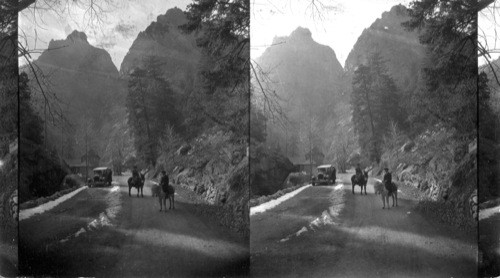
[
  {"x": 363, "y": 241},
  {"x": 141, "y": 241}
]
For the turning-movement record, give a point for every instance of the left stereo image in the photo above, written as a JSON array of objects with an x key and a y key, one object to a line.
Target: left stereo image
[{"x": 132, "y": 120}]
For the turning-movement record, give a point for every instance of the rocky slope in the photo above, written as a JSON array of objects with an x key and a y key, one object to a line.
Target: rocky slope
[
  {"x": 443, "y": 172},
  {"x": 217, "y": 170}
]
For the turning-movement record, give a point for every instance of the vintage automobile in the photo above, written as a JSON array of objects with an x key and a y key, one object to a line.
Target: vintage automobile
[
  {"x": 325, "y": 174},
  {"x": 102, "y": 177}
]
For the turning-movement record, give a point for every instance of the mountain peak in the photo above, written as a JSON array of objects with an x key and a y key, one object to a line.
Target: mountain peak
[
  {"x": 301, "y": 33},
  {"x": 76, "y": 35},
  {"x": 174, "y": 16}
]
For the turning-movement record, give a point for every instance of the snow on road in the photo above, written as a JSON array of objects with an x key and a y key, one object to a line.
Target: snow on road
[
  {"x": 27, "y": 213},
  {"x": 327, "y": 217},
  {"x": 114, "y": 205},
  {"x": 489, "y": 212},
  {"x": 273, "y": 203}
]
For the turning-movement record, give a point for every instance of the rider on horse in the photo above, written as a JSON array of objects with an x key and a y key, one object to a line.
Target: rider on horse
[
  {"x": 164, "y": 181},
  {"x": 359, "y": 173},
  {"x": 387, "y": 180},
  {"x": 135, "y": 174}
]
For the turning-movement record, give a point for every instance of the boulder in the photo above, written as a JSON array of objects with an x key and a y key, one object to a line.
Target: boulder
[
  {"x": 184, "y": 149},
  {"x": 408, "y": 146}
]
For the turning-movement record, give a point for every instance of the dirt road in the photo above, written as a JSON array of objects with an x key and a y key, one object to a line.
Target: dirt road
[
  {"x": 103, "y": 232},
  {"x": 325, "y": 231}
]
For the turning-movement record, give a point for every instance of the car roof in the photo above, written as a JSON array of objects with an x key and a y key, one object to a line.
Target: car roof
[
  {"x": 100, "y": 168},
  {"x": 325, "y": 166}
]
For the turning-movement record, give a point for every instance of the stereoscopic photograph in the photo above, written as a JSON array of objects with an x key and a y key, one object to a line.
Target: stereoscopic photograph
[
  {"x": 364, "y": 139},
  {"x": 236, "y": 138},
  {"x": 133, "y": 154}
]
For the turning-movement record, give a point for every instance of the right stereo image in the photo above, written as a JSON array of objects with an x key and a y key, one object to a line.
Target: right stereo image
[{"x": 374, "y": 139}]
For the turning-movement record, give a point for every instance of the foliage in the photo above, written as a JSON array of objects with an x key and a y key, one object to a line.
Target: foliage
[
  {"x": 8, "y": 68},
  {"x": 342, "y": 146},
  {"x": 448, "y": 30},
  {"x": 489, "y": 133},
  {"x": 375, "y": 104},
  {"x": 152, "y": 107},
  {"x": 223, "y": 95},
  {"x": 317, "y": 155},
  {"x": 41, "y": 168}
]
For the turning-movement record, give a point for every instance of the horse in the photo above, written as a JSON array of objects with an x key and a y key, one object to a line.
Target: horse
[
  {"x": 139, "y": 184},
  {"x": 361, "y": 181},
  {"x": 162, "y": 196},
  {"x": 380, "y": 189}
]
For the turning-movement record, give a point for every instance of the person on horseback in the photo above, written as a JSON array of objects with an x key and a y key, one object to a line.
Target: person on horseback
[
  {"x": 135, "y": 174},
  {"x": 164, "y": 181},
  {"x": 359, "y": 173},
  {"x": 387, "y": 180}
]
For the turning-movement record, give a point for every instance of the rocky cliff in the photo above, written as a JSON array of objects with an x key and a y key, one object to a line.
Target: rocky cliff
[{"x": 442, "y": 172}]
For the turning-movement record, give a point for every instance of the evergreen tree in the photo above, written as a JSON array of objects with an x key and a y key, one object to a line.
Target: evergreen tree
[
  {"x": 449, "y": 30},
  {"x": 375, "y": 104},
  {"x": 41, "y": 172},
  {"x": 223, "y": 93},
  {"x": 151, "y": 106}
]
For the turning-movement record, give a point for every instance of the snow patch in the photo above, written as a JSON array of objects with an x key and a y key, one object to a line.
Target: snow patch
[
  {"x": 273, "y": 203},
  {"x": 324, "y": 219},
  {"x": 301, "y": 231},
  {"x": 81, "y": 231},
  {"x": 27, "y": 213},
  {"x": 489, "y": 212}
]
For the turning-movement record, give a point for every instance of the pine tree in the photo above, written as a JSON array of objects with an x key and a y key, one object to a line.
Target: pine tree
[
  {"x": 152, "y": 107},
  {"x": 223, "y": 93},
  {"x": 449, "y": 30},
  {"x": 375, "y": 104}
]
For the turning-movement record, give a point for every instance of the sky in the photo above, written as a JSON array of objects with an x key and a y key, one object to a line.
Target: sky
[
  {"x": 339, "y": 24},
  {"x": 486, "y": 30},
  {"x": 115, "y": 31}
]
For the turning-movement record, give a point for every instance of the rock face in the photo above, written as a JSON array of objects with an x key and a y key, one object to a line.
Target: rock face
[
  {"x": 75, "y": 55},
  {"x": 307, "y": 78},
  {"x": 175, "y": 50},
  {"x": 216, "y": 169},
  {"x": 401, "y": 49},
  {"x": 431, "y": 167},
  {"x": 306, "y": 68},
  {"x": 269, "y": 172}
]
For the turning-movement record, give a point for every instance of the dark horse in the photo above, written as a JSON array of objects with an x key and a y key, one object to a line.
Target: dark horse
[
  {"x": 137, "y": 183},
  {"x": 169, "y": 194},
  {"x": 360, "y": 180}
]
